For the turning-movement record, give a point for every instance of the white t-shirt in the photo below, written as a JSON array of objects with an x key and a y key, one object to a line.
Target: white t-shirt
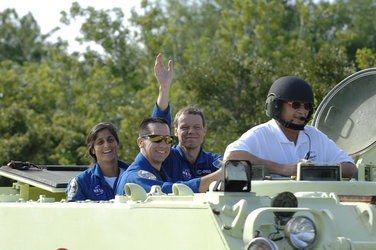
[
  {"x": 111, "y": 180},
  {"x": 268, "y": 142}
]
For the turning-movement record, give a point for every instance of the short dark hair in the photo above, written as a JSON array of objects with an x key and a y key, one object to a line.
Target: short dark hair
[
  {"x": 144, "y": 126},
  {"x": 93, "y": 136},
  {"x": 191, "y": 111}
]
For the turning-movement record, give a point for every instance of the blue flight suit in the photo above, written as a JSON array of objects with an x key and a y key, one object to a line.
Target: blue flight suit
[
  {"x": 182, "y": 169},
  {"x": 144, "y": 174},
  {"x": 92, "y": 185}
]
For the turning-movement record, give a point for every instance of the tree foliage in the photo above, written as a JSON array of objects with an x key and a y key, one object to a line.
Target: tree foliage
[{"x": 226, "y": 55}]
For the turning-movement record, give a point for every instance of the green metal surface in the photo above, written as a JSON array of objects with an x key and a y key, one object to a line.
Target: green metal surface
[
  {"x": 108, "y": 226},
  {"x": 271, "y": 188},
  {"x": 347, "y": 114},
  {"x": 214, "y": 220}
]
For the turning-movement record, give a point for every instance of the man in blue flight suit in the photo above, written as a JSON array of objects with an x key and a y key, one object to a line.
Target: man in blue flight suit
[
  {"x": 188, "y": 158},
  {"x": 154, "y": 142}
]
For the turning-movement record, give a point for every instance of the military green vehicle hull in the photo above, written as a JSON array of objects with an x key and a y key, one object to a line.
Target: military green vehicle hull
[{"x": 291, "y": 213}]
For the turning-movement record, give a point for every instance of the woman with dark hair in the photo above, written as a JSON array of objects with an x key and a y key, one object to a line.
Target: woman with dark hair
[{"x": 100, "y": 181}]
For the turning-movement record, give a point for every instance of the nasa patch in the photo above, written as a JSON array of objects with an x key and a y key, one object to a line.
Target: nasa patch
[
  {"x": 186, "y": 174},
  {"x": 146, "y": 175},
  {"x": 98, "y": 190},
  {"x": 218, "y": 163},
  {"x": 73, "y": 188}
]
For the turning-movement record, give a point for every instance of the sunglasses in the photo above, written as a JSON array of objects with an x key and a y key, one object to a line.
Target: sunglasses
[
  {"x": 158, "y": 138},
  {"x": 297, "y": 105}
]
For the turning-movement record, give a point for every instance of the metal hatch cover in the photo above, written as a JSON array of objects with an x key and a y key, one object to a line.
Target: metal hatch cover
[
  {"x": 51, "y": 180},
  {"x": 347, "y": 114}
]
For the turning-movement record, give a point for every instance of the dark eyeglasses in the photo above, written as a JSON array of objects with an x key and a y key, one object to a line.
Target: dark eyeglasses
[
  {"x": 297, "y": 105},
  {"x": 158, "y": 138}
]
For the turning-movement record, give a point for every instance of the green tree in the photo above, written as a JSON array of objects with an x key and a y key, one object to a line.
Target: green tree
[
  {"x": 365, "y": 58},
  {"x": 355, "y": 25},
  {"x": 227, "y": 64},
  {"x": 226, "y": 55},
  {"x": 21, "y": 39}
]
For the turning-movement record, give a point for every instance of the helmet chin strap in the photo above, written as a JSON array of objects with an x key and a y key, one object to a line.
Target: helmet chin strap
[{"x": 291, "y": 125}]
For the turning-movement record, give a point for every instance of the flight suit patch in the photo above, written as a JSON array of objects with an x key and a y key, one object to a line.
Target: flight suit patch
[{"x": 146, "y": 175}]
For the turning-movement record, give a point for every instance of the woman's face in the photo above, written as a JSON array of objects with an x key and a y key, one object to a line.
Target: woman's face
[{"x": 105, "y": 147}]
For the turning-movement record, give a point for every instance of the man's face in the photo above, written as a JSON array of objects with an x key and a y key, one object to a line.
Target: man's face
[
  {"x": 155, "y": 152},
  {"x": 190, "y": 131},
  {"x": 292, "y": 111}
]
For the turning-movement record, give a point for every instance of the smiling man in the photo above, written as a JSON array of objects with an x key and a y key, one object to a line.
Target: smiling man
[
  {"x": 154, "y": 142},
  {"x": 286, "y": 139},
  {"x": 188, "y": 157}
]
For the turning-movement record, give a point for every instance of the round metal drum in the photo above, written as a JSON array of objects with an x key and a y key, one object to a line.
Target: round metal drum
[{"x": 347, "y": 115}]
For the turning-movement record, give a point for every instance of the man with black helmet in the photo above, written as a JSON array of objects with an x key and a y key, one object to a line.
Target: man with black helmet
[{"x": 282, "y": 142}]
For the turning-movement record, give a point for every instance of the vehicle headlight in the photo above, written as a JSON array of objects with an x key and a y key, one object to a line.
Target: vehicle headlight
[
  {"x": 284, "y": 199},
  {"x": 301, "y": 232},
  {"x": 261, "y": 244}
]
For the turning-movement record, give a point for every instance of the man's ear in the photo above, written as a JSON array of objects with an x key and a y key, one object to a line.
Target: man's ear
[
  {"x": 140, "y": 142},
  {"x": 175, "y": 132}
]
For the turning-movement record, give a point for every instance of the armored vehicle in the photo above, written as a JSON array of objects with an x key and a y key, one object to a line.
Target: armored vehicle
[{"x": 244, "y": 209}]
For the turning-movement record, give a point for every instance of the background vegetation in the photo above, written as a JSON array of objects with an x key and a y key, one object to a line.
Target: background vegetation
[{"x": 226, "y": 55}]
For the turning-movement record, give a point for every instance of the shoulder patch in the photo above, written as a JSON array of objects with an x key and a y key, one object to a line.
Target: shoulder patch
[
  {"x": 72, "y": 189},
  {"x": 217, "y": 163},
  {"x": 146, "y": 175}
]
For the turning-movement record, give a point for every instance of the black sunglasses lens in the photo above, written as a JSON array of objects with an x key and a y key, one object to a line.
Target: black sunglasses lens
[
  {"x": 296, "y": 105},
  {"x": 308, "y": 106}
]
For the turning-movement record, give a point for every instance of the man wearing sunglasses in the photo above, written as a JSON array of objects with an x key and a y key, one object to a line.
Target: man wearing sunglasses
[
  {"x": 154, "y": 142},
  {"x": 286, "y": 139},
  {"x": 188, "y": 157}
]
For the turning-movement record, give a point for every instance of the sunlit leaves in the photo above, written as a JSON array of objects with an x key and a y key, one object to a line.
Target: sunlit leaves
[{"x": 365, "y": 58}]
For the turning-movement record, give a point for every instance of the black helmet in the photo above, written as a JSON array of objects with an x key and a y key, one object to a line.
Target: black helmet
[{"x": 288, "y": 88}]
